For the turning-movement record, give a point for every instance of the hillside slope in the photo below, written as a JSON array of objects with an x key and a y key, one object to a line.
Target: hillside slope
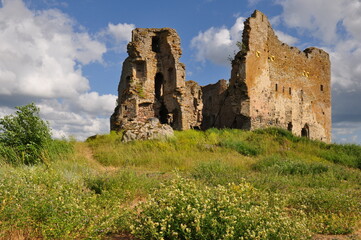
[{"x": 224, "y": 184}]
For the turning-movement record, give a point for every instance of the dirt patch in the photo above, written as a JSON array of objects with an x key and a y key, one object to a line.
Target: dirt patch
[{"x": 353, "y": 236}]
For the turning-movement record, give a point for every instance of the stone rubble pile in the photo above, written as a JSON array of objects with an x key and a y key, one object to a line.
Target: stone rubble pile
[{"x": 151, "y": 129}]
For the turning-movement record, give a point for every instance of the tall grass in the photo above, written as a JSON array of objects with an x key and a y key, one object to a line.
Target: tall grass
[{"x": 89, "y": 190}]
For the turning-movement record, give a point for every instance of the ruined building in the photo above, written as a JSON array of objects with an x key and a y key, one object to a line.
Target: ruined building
[{"x": 272, "y": 84}]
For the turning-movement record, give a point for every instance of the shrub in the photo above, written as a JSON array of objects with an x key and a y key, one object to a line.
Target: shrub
[
  {"x": 23, "y": 136},
  {"x": 280, "y": 133},
  {"x": 348, "y": 154},
  {"x": 46, "y": 204},
  {"x": 329, "y": 212},
  {"x": 283, "y": 166},
  {"x": 242, "y": 147},
  {"x": 217, "y": 172},
  {"x": 185, "y": 210}
]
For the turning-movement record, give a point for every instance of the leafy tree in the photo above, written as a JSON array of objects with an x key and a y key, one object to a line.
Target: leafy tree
[{"x": 23, "y": 136}]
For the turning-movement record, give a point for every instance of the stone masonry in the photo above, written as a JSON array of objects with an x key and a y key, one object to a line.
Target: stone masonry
[
  {"x": 153, "y": 84},
  {"x": 271, "y": 85}
]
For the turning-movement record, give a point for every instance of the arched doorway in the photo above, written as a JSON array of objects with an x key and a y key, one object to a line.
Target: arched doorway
[
  {"x": 305, "y": 132},
  {"x": 289, "y": 126}
]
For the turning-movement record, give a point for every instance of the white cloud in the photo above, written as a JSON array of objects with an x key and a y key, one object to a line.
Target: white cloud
[
  {"x": 118, "y": 35},
  {"x": 122, "y": 32},
  {"x": 41, "y": 60},
  {"x": 218, "y": 44},
  {"x": 80, "y": 123},
  {"x": 95, "y": 104},
  {"x": 319, "y": 17},
  {"x": 346, "y": 132},
  {"x": 253, "y": 2},
  {"x": 41, "y": 55},
  {"x": 284, "y": 37}
]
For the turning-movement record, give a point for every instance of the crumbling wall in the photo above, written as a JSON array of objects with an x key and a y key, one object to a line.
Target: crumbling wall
[
  {"x": 152, "y": 83},
  {"x": 213, "y": 100},
  {"x": 271, "y": 84}
]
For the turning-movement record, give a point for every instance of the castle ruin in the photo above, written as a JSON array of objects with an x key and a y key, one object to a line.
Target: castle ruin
[{"x": 271, "y": 85}]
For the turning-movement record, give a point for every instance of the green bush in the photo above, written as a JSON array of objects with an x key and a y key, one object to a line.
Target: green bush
[
  {"x": 279, "y": 133},
  {"x": 329, "y": 212},
  {"x": 45, "y": 204},
  {"x": 217, "y": 172},
  {"x": 283, "y": 166},
  {"x": 23, "y": 136},
  {"x": 119, "y": 185},
  {"x": 186, "y": 210},
  {"x": 242, "y": 147},
  {"x": 348, "y": 154}
]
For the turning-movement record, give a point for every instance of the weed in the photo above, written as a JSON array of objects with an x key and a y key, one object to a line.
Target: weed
[{"x": 185, "y": 210}]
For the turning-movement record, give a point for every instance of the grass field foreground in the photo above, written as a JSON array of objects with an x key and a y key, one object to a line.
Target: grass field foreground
[{"x": 216, "y": 184}]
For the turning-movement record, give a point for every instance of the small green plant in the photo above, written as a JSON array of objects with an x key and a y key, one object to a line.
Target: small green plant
[
  {"x": 186, "y": 210},
  {"x": 329, "y": 212},
  {"x": 46, "y": 204},
  {"x": 242, "y": 147},
  {"x": 348, "y": 154},
  {"x": 279, "y": 133},
  {"x": 276, "y": 164},
  {"x": 23, "y": 136},
  {"x": 217, "y": 172},
  {"x": 140, "y": 90}
]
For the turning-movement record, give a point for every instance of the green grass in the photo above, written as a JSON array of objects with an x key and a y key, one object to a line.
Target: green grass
[{"x": 90, "y": 190}]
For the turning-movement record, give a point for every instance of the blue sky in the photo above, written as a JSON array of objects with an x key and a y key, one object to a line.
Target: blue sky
[{"x": 67, "y": 55}]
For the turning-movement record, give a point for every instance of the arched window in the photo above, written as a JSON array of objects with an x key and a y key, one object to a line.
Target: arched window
[
  {"x": 158, "y": 85},
  {"x": 305, "y": 132},
  {"x": 289, "y": 126}
]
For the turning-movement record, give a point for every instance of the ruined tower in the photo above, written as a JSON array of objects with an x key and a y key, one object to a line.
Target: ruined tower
[
  {"x": 272, "y": 85},
  {"x": 153, "y": 84}
]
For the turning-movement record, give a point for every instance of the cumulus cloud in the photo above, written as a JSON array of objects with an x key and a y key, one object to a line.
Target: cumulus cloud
[
  {"x": 253, "y": 2},
  {"x": 42, "y": 55},
  {"x": 65, "y": 121},
  {"x": 319, "y": 17},
  {"x": 122, "y": 32},
  {"x": 118, "y": 35},
  {"x": 218, "y": 44},
  {"x": 284, "y": 37}
]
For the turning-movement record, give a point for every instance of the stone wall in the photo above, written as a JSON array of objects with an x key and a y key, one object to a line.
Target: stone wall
[
  {"x": 152, "y": 83},
  {"x": 272, "y": 84},
  {"x": 213, "y": 100}
]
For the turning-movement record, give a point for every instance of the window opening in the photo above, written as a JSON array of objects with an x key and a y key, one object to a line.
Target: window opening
[
  {"x": 305, "y": 132},
  {"x": 289, "y": 126},
  {"x": 156, "y": 44},
  {"x": 158, "y": 85}
]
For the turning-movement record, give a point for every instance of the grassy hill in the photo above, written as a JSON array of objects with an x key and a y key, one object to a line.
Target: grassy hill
[{"x": 217, "y": 184}]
